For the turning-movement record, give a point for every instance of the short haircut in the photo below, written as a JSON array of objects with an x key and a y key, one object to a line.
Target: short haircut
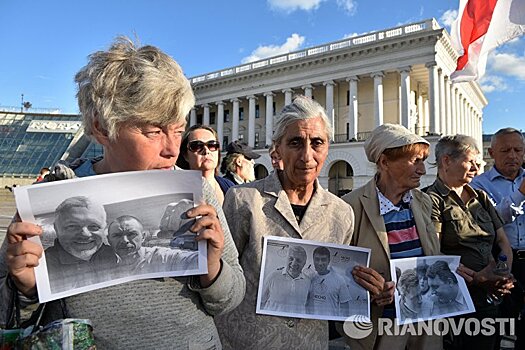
[
  {"x": 455, "y": 146},
  {"x": 503, "y": 132},
  {"x": 441, "y": 269},
  {"x": 181, "y": 161},
  {"x": 228, "y": 163},
  {"x": 77, "y": 202},
  {"x": 322, "y": 251},
  {"x": 123, "y": 218},
  {"x": 132, "y": 84},
  {"x": 297, "y": 249},
  {"x": 302, "y": 108},
  {"x": 407, "y": 280}
]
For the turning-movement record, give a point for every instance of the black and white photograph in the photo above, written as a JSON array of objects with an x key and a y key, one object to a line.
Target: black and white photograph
[
  {"x": 110, "y": 229},
  {"x": 308, "y": 279},
  {"x": 428, "y": 288}
]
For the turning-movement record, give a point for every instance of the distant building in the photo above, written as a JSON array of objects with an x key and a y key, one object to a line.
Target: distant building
[
  {"x": 398, "y": 75},
  {"x": 32, "y": 140}
]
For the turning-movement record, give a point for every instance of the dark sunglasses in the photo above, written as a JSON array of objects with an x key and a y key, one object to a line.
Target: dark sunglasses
[{"x": 197, "y": 146}]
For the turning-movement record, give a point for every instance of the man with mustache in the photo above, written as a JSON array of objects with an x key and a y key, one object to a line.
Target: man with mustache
[
  {"x": 78, "y": 257},
  {"x": 126, "y": 235},
  {"x": 287, "y": 288}
]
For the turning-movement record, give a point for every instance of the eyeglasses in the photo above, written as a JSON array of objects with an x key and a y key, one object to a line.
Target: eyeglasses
[{"x": 197, "y": 146}]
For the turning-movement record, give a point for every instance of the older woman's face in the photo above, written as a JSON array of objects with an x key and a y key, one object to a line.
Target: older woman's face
[
  {"x": 144, "y": 147},
  {"x": 204, "y": 159},
  {"x": 463, "y": 169},
  {"x": 303, "y": 151},
  {"x": 406, "y": 172}
]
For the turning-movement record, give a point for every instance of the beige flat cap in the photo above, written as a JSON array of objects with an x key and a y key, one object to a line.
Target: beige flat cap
[{"x": 389, "y": 136}]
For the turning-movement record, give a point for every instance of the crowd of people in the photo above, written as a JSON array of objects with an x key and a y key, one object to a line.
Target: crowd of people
[{"x": 134, "y": 102}]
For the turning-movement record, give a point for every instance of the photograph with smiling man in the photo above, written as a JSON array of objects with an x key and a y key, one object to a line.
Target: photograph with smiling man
[{"x": 306, "y": 279}]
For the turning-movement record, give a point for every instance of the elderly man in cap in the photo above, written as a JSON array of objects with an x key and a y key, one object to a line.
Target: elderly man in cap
[
  {"x": 238, "y": 163},
  {"x": 392, "y": 218}
]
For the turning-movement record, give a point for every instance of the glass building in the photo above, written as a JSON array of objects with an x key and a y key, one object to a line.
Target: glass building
[{"x": 31, "y": 141}]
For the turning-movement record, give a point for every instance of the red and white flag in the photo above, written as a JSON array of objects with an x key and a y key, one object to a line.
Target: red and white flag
[{"x": 481, "y": 26}]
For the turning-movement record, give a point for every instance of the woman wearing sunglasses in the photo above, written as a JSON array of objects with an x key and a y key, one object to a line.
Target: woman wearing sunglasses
[{"x": 200, "y": 150}]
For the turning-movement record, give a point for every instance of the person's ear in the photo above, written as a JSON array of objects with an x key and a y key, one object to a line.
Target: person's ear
[
  {"x": 238, "y": 162},
  {"x": 491, "y": 152},
  {"x": 383, "y": 161},
  {"x": 99, "y": 133}
]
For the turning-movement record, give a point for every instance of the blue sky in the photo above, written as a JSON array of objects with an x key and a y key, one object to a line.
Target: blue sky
[{"x": 44, "y": 43}]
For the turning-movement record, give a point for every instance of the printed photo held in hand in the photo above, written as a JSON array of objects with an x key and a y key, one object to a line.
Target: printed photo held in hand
[
  {"x": 95, "y": 237},
  {"x": 428, "y": 288},
  {"x": 308, "y": 279}
]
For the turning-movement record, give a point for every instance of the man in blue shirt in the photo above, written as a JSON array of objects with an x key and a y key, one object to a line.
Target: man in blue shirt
[{"x": 505, "y": 185}]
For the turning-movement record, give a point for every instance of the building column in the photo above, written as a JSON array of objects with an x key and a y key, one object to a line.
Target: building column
[
  {"x": 353, "y": 110},
  {"x": 251, "y": 120},
  {"x": 453, "y": 113},
  {"x": 193, "y": 116},
  {"x": 433, "y": 96},
  {"x": 442, "y": 108},
  {"x": 220, "y": 121},
  {"x": 269, "y": 117},
  {"x": 420, "y": 123},
  {"x": 308, "y": 90},
  {"x": 235, "y": 119},
  {"x": 458, "y": 111},
  {"x": 378, "y": 98},
  {"x": 287, "y": 96},
  {"x": 329, "y": 104},
  {"x": 405, "y": 94},
  {"x": 206, "y": 115},
  {"x": 448, "y": 109},
  {"x": 462, "y": 115}
]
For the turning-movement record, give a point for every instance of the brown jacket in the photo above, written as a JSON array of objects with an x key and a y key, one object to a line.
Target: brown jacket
[{"x": 370, "y": 232}]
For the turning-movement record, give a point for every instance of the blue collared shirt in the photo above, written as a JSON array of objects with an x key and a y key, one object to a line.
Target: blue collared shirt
[{"x": 508, "y": 200}]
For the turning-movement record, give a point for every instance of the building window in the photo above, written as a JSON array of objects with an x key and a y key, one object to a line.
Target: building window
[
  {"x": 226, "y": 115},
  {"x": 199, "y": 118},
  {"x": 224, "y": 141},
  {"x": 256, "y": 139},
  {"x": 241, "y": 113},
  {"x": 212, "y": 118},
  {"x": 273, "y": 109},
  {"x": 257, "y": 114},
  {"x": 348, "y": 97}
]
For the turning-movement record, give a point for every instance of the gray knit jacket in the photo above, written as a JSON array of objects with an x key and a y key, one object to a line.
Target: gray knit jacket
[{"x": 166, "y": 313}]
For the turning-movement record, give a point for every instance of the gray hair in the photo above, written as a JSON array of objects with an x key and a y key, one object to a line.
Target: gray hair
[
  {"x": 455, "y": 147},
  {"x": 298, "y": 250},
  {"x": 77, "y": 202},
  {"x": 505, "y": 131},
  {"x": 132, "y": 84},
  {"x": 302, "y": 108}
]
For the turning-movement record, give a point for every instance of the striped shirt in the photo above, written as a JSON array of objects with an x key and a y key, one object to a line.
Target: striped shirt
[{"x": 403, "y": 239}]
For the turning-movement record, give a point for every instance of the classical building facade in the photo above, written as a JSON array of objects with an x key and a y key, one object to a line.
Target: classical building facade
[{"x": 399, "y": 75}]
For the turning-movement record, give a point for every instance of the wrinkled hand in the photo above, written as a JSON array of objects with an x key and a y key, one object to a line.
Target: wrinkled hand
[
  {"x": 487, "y": 279},
  {"x": 22, "y": 255},
  {"x": 382, "y": 292},
  {"x": 208, "y": 227}
]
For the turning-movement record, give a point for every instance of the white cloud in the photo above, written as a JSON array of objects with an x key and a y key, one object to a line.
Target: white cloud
[
  {"x": 490, "y": 83},
  {"x": 448, "y": 17},
  {"x": 293, "y": 5},
  {"x": 350, "y": 6},
  {"x": 292, "y": 43},
  {"x": 508, "y": 64}
]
